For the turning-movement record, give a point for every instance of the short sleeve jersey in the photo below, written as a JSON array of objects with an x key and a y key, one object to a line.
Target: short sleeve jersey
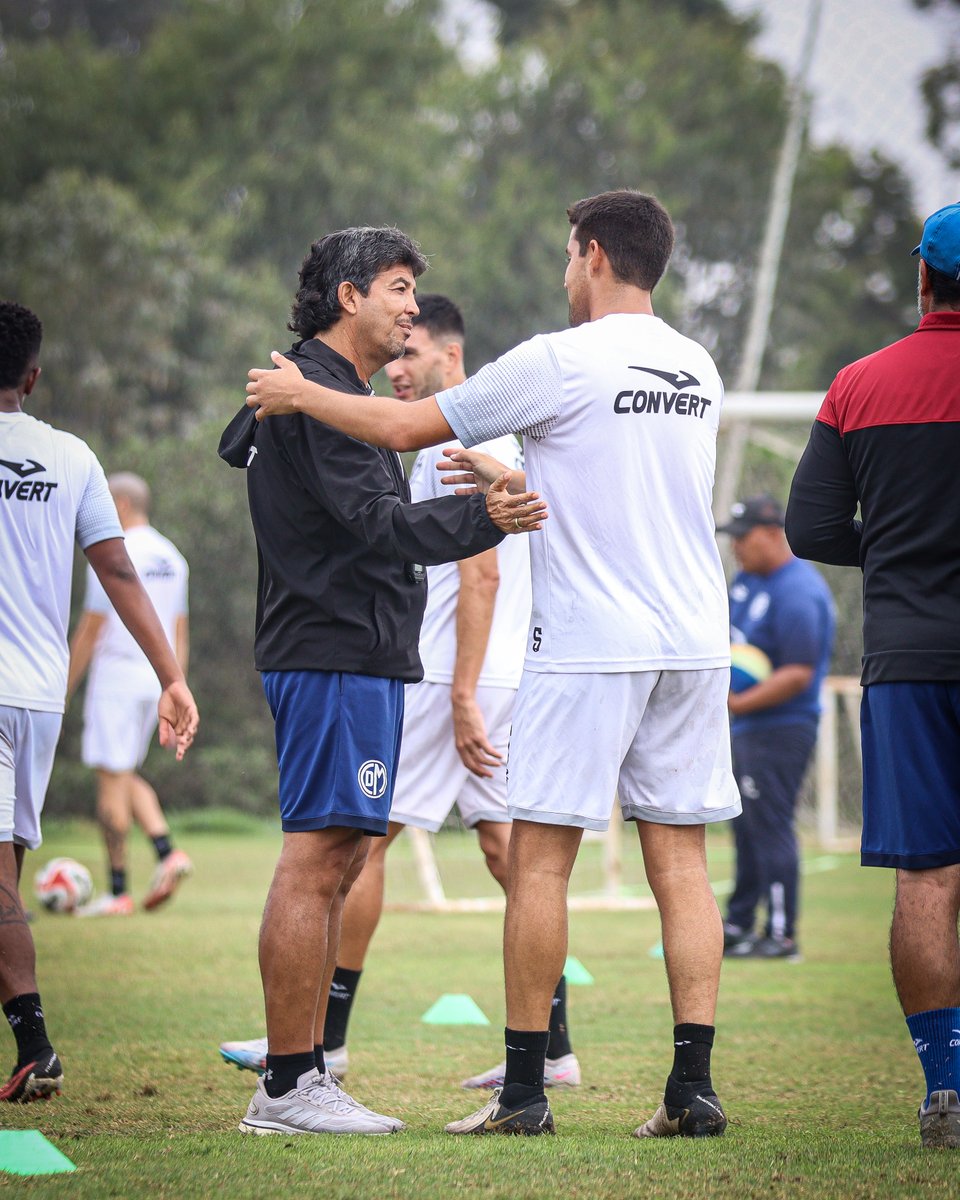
[
  {"x": 503, "y": 663},
  {"x": 789, "y": 615},
  {"x": 619, "y": 418},
  {"x": 52, "y": 493},
  {"x": 119, "y": 667}
]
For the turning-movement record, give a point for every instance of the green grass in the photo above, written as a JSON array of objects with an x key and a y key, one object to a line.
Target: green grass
[{"x": 813, "y": 1061}]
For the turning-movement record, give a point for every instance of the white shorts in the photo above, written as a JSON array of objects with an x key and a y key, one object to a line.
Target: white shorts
[
  {"x": 431, "y": 777},
  {"x": 28, "y": 742},
  {"x": 117, "y": 731},
  {"x": 660, "y": 740}
]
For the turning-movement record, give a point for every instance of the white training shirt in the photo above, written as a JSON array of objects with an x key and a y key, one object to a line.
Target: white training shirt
[
  {"x": 503, "y": 664},
  {"x": 619, "y": 418},
  {"x": 119, "y": 667},
  {"x": 52, "y": 492}
]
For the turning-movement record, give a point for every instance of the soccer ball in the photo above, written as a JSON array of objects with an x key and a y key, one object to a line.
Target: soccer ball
[{"x": 63, "y": 885}]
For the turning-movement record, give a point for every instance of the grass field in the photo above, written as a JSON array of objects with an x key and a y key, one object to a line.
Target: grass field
[{"x": 812, "y": 1062}]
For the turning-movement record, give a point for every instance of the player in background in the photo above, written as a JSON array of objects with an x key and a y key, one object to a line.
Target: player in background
[
  {"x": 887, "y": 442},
  {"x": 456, "y": 723},
  {"x": 52, "y": 493},
  {"x": 627, "y": 672},
  {"x": 120, "y": 706},
  {"x": 781, "y": 607}
]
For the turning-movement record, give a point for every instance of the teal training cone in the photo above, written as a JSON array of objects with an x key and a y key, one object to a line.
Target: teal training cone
[
  {"x": 656, "y": 951},
  {"x": 576, "y": 972},
  {"x": 28, "y": 1152},
  {"x": 454, "y": 1008}
]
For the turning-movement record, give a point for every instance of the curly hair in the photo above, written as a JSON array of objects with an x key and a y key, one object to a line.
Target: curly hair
[
  {"x": 355, "y": 255},
  {"x": 20, "y": 336}
]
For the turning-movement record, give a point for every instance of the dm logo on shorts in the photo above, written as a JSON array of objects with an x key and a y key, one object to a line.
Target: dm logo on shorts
[{"x": 372, "y": 778}]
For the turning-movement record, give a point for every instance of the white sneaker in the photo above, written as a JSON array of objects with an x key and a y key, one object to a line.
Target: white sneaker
[
  {"x": 252, "y": 1056},
  {"x": 337, "y": 1062},
  {"x": 247, "y": 1056},
  {"x": 315, "y": 1105},
  {"x": 557, "y": 1072}
]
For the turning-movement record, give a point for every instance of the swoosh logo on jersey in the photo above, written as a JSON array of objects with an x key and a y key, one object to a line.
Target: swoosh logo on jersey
[
  {"x": 30, "y": 467},
  {"x": 681, "y": 381}
]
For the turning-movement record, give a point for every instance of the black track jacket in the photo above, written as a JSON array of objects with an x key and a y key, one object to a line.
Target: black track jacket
[{"x": 338, "y": 538}]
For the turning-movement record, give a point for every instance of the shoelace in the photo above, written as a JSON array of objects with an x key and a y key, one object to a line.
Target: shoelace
[{"x": 324, "y": 1093}]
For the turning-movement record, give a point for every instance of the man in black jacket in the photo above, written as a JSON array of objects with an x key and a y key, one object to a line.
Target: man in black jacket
[{"x": 340, "y": 598}]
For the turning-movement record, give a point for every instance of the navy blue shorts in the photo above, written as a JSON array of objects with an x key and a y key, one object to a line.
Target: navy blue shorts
[
  {"x": 338, "y": 741},
  {"x": 911, "y": 775}
]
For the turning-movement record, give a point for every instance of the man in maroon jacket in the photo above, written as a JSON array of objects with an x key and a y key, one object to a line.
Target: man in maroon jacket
[{"x": 888, "y": 438}]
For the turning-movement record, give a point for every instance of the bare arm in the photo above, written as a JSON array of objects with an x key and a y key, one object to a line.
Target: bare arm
[
  {"x": 479, "y": 580},
  {"x": 478, "y": 471},
  {"x": 82, "y": 645},
  {"x": 374, "y": 419},
  {"x": 780, "y": 686},
  {"x": 117, "y": 574},
  {"x": 181, "y": 642}
]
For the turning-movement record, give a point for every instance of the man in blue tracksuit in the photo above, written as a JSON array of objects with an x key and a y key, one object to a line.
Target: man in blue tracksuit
[{"x": 782, "y": 610}]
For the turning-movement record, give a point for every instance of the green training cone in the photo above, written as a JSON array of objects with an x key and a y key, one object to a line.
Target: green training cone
[
  {"x": 28, "y": 1152},
  {"x": 576, "y": 972},
  {"x": 454, "y": 1008}
]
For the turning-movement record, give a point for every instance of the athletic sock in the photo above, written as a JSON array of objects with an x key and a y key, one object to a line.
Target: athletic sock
[
  {"x": 343, "y": 988},
  {"x": 25, "y": 1015},
  {"x": 162, "y": 845},
  {"x": 559, "y": 1043},
  {"x": 523, "y": 1077},
  {"x": 283, "y": 1071},
  {"x": 118, "y": 882},
  {"x": 936, "y": 1036},
  {"x": 318, "y": 1058},
  {"x": 692, "y": 1045}
]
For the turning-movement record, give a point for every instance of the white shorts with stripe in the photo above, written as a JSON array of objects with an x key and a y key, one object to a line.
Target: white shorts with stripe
[
  {"x": 117, "y": 730},
  {"x": 660, "y": 740},
  {"x": 431, "y": 777},
  {"x": 28, "y": 742}
]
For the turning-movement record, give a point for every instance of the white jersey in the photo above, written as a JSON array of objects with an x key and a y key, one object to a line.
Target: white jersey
[
  {"x": 503, "y": 663},
  {"x": 619, "y": 418},
  {"x": 52, "y": 492},
  {"x": 119, "y": 667}
]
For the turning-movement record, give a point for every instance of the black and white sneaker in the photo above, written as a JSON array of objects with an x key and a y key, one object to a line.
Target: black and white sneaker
[
  {"x": 701, "y": 1117},
  {"x": 527, "y": 1120},
  {"x": 38, "y": 1080}
]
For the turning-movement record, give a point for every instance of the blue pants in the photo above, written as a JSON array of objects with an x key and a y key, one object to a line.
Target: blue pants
[{"x": 769, "y": 766}]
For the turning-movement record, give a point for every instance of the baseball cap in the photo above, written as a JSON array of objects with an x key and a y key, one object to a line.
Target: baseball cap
[
  {"x": 940, "y": 242},
  {"x": 755, "y": 510}
]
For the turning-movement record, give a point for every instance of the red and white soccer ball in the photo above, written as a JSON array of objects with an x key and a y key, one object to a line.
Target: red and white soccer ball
[{"x": 63, "y": 885}]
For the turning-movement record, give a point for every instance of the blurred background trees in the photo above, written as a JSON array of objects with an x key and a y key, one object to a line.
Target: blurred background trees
[{"x": 168, "y": 162}]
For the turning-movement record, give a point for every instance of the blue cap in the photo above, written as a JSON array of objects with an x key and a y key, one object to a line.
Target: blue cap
[{"x": 940, "y": 243}]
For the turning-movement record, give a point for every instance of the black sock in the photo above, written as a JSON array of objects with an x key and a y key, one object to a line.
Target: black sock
[
  {"x": 283, "y": 1071},
  {"x": 118, "y": 881},
  {"x": 523, "y": 1078},
  {"x": 559, "y": 1043},
  {"x": 162, "y": 845},
  {"x": 318, "y": 1058},
  {"x": 692, "y": 1045},
  {"x": 343, "y": 988},
  {"x": 25, "y": 1015}
]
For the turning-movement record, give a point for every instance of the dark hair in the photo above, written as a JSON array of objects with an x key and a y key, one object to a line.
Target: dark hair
[
  {"x": 634, "y": 229},
  {"x": 357, "y": 256},
  {"x": 944, "y": 289},
  {"x": 20, "y": 337},
  {"x": 440, "y": 316}
]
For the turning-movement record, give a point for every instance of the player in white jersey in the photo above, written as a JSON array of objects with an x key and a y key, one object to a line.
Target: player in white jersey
[
  {"x": 52, "y": 493},
  {"x": 627, "y": 670},
  {"x": 120, "y": 706},
  {"x": 456, "y": 722}
]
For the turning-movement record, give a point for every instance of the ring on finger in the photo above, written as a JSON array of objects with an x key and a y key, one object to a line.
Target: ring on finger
[{"x": 516, "y": 521}]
